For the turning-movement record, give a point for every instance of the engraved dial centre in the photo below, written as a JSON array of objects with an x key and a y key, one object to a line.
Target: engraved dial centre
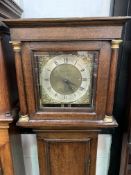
[{"x": 65, "y": 79}]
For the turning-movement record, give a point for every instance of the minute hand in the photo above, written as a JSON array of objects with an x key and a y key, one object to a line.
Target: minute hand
[
  {"x": 70, "y": 85},
  {"x": 69, "y": 82}
]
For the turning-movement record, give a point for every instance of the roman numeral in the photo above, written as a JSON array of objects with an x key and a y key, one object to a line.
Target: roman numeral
[
  {"x": 49, "y": 88},
  {"x": 65, "y": 97},
  {"x": 81, "y": 88},
  {"x": 66, "y": 60},
  {"x": 56, "y": 63},
  {"x": 46, "y": 79},
  {"x": 75, "y": 63},
  {"x": 82, "y": 70}
]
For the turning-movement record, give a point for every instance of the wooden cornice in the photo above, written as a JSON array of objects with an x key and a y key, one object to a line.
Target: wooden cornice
[
  {"x": 86, "y": 21},
  {"x": 9, "y": 9}
]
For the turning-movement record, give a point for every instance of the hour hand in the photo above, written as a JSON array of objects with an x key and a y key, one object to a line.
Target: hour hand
[{"x": 70, "y": 84}]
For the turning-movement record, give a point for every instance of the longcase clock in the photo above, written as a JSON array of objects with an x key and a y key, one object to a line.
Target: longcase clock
[{"x": 66, "y": 70}]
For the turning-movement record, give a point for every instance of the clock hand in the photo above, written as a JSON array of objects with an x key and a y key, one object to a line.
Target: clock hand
[{"x": 68, "y": 83}]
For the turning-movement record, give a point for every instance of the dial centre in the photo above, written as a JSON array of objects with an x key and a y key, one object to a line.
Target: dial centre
[{"x": 65, "y": 79}]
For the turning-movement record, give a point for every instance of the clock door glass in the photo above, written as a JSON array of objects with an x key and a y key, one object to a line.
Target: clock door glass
[{"x": 65, "y": 78}]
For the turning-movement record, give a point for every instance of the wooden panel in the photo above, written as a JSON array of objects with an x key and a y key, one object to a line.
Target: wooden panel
[
  {"x": 69, "y": 158},
  {"x": 1, "y": 173},
  {"x": 67, "y": 153},
  {"x": 28, "y": 75},
  {"x": 5, "y": 153},
  {"x": 65, "y": 33},
  {"x": 102, "y": 80},
  {"x": 11, "y": 156}
]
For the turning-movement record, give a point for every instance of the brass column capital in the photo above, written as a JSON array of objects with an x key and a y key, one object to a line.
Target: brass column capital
[
  {"x": 24, "y": 118},
  {"x": 108, "y": 119},
  {"x": 115, "y": 43},
  {"x": 16, "y": 45}
]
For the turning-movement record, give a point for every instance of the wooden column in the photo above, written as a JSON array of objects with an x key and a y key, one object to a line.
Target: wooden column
[
  {"x": 4, "y": 92},
  {"x": 20, "y": 80},
  {"x": 111, "y": 86}
]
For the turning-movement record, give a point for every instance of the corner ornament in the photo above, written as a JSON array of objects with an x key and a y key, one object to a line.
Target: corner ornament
[
  {"x": 116, "y": 43},
  {"x": 16, "y": 45},
  {"x": 24, "y": 118},
  {"x": 108, "y": 119}
]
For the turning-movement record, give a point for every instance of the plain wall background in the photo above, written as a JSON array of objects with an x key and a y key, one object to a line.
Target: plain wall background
[{"x": 65, "y": 8}]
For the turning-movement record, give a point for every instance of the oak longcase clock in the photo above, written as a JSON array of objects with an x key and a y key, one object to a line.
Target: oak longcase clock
[{"x": 66, "y": 70}]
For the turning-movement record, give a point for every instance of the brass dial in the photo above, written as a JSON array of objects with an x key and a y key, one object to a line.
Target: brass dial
[{"x": 66, "y": 79}]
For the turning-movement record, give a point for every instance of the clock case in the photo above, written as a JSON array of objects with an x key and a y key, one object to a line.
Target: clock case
[{"x": 101, "y": 35}]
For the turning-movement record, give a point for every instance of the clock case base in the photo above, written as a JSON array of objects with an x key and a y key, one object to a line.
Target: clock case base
[{"x": 67, "y": 124}]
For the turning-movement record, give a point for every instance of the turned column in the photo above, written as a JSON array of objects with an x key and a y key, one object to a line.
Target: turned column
[
  {"x": 111, "y": 86},
  {"x": 20, "y": 80}
]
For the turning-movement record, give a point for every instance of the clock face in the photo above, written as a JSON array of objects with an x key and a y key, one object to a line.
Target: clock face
[{"x": 66, "y": 78}]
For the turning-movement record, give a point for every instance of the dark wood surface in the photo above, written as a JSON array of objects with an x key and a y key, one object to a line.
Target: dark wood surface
[
  {"x": 4, "y": 93},
  {"x": 97, "y": 21},
  {"x": 67, "y": 152},
  {"x": 126, "y": 141},
  {"x": 112, "y": 79},
  {"x": 67, "y": 124},
  {"x": 65, "y": 33},
  {"x": 70, "y": 29},
  {"x": 5, "y": 152},
  {"x": 8, "y": 88}
]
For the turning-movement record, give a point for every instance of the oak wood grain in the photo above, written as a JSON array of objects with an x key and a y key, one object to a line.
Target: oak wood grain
[{"x": 67, "y": 152}]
